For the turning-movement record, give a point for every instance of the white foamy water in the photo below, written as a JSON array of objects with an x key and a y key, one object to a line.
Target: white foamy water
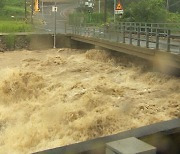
[{"x": 50, "y": 98}]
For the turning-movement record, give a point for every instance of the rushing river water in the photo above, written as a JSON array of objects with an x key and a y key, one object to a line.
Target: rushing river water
[{"x": 58, "y": 97}]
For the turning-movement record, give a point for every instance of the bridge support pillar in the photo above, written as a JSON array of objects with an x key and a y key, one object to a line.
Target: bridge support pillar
[{"x": 81, "y": 45}]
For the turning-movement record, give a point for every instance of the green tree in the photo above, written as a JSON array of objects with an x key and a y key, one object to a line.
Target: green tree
[
  {"x": 146, "y": 11},
  {"x": 2, "y": 3}
]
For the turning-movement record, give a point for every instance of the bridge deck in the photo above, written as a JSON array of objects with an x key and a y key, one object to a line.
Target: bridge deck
[{"x": 156, "y": 56}]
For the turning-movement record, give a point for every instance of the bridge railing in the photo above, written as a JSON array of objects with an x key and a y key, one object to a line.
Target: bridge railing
[
  {"x": 150, "y": 35},
  {"x": 174, "y": 27}
]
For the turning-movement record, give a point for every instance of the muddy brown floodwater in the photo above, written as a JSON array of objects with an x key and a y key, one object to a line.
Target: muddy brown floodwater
[{"x": 62, "y": 96}]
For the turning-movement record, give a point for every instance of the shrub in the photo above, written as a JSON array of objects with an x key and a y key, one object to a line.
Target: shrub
[
  {"x": 10, "y": 41},
  {"x": 2, "y": 3}
]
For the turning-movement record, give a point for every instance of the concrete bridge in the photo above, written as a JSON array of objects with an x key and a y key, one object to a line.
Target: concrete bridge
[
  {"x": 161, "y": 59},
  {"x": 158, "y": 43}
]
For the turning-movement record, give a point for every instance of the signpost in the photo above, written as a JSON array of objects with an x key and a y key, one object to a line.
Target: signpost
[{"x": 54, "y": 9}]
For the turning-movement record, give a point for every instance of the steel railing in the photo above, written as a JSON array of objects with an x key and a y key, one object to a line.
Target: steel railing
[{"x": 159, "y": 36}]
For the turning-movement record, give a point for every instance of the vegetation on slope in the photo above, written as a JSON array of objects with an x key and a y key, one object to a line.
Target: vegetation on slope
[
  {"x": 135, "y": 11},
  {"x": 149, "y": 11},
  {"x": 12, "y": 16}
]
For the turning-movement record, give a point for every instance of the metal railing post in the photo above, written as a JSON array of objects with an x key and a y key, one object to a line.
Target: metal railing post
[
  {"x": 78, "y": 29},
  {"x": 121, "y": 27},
  {"x": 157, "y": 39},
  {"x": 88, "y": 32},
  {"x": 65, "y": 29},
  {"x": 75, "y": 29},
  {"x": 117, "y": 32},
  {"x": 147, "y": 37},
  {"x": 124, "y": 34},
  {"x": 104, "y": 30},
  {"x": 94, "y": 31},
  {"x": 81, "y": 30},
  {"x": 130, "y": 34},
  {"x": 99, "y": 36},
  {"x": 168, "y": 40},
  {"x": 84, "y": 30},
  {"x": 109, "y": 32},
  {"x": 138, "y": 36}
]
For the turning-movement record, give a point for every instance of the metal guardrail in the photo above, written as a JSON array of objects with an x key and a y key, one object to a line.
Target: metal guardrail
[{"x": 150, "y": 35}]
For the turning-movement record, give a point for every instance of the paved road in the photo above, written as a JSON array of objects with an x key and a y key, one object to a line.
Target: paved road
[{"x": 45, "y": 20}]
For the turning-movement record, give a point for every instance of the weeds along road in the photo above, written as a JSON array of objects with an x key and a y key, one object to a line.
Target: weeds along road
[{"x": 45, "y": 19}]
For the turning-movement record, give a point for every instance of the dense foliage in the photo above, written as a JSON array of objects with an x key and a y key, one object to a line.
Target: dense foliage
[
  {"x": 11, "y": 7},
  {"x": 174, "y": 5},
  {"x": 138, "y": 11},
  {"x": 146, "y": 11},
  {"x": 2, "y": 3}
]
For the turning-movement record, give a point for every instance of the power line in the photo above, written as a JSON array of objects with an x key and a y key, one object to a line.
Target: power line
[{"x": 174, "y": 4}]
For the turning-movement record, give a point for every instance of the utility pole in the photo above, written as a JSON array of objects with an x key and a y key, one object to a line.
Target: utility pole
[
  {"x": 42, "y": 9},
  {"x": 114, "y": 10},
  {"x": 105, "y": 11},
  {"x": 55, "y": 10},
  {"x": 25, "y": 10},
  {"x": 99, "y": 6},
  {"x": 32, "y": 7},
  {"x": 167, "y": 6}
]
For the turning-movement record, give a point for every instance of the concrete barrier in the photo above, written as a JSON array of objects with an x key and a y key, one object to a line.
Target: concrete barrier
[{"x": 168, "y": 129}]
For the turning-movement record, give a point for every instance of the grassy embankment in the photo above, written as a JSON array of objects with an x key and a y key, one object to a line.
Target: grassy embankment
[{"x": 12, "y": 17}]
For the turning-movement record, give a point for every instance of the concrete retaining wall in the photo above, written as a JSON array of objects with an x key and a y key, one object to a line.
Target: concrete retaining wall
[{"x": 39, "y": 42}]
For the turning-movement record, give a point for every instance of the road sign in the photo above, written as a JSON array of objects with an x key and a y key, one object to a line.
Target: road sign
[
  {"x": 119, "y": 11},
  {"x": 118, "y": 8},
  {"x": 54, "y": 8},
  {"x": 118, "y": 5}
]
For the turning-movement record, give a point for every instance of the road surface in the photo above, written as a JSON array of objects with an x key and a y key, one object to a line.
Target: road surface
[{"x": 45, "y": 19}]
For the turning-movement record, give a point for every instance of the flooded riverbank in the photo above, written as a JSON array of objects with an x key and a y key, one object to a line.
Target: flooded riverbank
[{"x": 62, "y": 96}]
